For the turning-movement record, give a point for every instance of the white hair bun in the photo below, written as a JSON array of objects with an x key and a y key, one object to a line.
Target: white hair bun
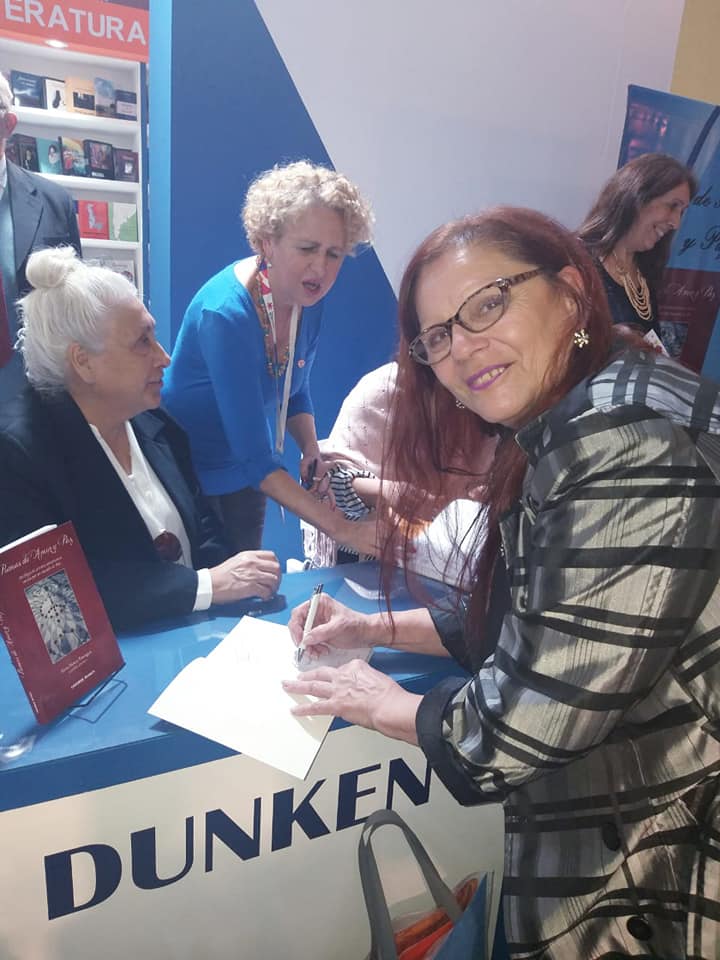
[{"x": 50, "y": 268}]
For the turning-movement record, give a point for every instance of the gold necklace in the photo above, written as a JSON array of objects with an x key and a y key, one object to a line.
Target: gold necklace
[{"x": 637, "y": 290}]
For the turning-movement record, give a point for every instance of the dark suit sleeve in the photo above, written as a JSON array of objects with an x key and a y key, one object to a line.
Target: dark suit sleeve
[
  {"x": 136, "y": 593},
  {"x": 72, "y": 221},
  {"x": 207, "y": 540},
  {"x": 43, "y": 215},
  {"x": 25, "y": 503},
  {"x": 58, "y": 223}
]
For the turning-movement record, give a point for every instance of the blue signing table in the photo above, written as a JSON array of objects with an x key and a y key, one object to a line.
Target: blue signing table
[{"x": 110, "y": 818}]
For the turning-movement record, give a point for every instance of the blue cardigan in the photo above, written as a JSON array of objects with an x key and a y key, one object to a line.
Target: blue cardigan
[{"x": 219, "y": 389}]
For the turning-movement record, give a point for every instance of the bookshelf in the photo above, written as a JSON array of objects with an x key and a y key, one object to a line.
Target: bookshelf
[{"x": 126, "y": 134}]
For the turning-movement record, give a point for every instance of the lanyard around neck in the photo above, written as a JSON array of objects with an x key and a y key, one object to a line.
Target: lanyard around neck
[{"x": 281, "y": 407}]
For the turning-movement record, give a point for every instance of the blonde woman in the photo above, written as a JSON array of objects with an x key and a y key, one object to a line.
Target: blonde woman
[{"x": 240, "y": 374}]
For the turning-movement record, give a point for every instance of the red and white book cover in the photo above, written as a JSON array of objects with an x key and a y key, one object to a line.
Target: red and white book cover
[
  {"x": 53, "y": 620},
  {"x": 93, "y": 219}
]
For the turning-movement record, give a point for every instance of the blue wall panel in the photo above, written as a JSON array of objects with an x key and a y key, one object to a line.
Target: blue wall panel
[{"x": 226, "y": 108}]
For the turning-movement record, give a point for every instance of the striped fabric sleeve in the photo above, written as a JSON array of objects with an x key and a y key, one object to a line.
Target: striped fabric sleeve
[
  {"x": 617, "y": 552},
  {"x": 346, "y": 499}
]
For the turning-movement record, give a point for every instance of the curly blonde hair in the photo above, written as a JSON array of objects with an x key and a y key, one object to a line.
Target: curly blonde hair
[{"x": 278, "y": 196}]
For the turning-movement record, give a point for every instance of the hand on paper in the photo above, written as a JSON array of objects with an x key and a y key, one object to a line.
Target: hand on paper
[
  {"x": 359, "y": 694},
  {"x": 335, "y": 627},
  {"x": 251, "y": 573}
]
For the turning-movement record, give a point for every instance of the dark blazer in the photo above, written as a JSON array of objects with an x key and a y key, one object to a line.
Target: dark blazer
[
  {"x": 52, "y": 469},
  {"x": 43, "y": 215}
]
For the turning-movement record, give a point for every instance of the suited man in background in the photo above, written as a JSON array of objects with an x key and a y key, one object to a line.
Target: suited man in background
[{"x": 34, "y": 213}]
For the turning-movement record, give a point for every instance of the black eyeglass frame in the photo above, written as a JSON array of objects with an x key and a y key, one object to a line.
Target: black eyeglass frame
[{"x": 502, "y": 283}]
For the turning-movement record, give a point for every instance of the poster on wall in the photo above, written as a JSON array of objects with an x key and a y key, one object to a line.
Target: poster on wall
[
  {"x": 689, "y": 130},
  {"x": 113, "y": 28}
]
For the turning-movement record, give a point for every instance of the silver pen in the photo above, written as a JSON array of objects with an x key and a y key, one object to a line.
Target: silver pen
[{"x": 314, "y": 600}]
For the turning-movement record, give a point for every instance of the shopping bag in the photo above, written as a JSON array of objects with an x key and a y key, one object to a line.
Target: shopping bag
[{"x": 455, "y": 930}]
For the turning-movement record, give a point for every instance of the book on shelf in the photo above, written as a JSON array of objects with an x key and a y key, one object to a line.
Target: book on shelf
[
  {"x": 104, "y": 97},
  {"x": 11, "y": 151},
  {"x": 123, "y": 224},
  {"x": 126, "y": 104},
  {"x": 53, "y": 620},
  {"x": 27, "y": 152},
  {"x": 28, "y": 89},
  {"x": 79, "y": 95},
  {"x": 49, "y": 155},
  {"x": 123, "y": 265},
  {"x": 93, "y": 219},
  {"x": 54, "y": 94},
  {"x": 99, "y": 156},
  {"x": 126, "y": 164},
  {"x": 74, "y": 162}
]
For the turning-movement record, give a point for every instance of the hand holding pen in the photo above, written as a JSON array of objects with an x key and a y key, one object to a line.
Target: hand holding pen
[{"x": 314, "y": 600}]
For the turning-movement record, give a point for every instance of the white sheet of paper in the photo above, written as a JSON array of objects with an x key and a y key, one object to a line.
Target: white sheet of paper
[{"x": 234, "y": 696}]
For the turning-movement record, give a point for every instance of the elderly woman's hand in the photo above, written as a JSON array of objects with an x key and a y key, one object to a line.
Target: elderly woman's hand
[
  {"x": 251, "y": 573},
  {"x": 359, "y": 694}
]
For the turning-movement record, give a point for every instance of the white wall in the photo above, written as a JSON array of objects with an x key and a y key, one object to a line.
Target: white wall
[{"x": 441, "y": 107}]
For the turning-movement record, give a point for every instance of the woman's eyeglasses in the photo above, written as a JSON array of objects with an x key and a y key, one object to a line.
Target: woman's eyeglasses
[{"x": 476, "y": 314}]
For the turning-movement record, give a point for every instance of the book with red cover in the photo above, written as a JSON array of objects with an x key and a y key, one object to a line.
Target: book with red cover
[
  {"x": 93, "y": 218},
  {"x": 53, "y": 620}
]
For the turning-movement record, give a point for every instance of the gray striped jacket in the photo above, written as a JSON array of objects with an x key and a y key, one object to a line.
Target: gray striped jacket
[{"x": 597, "y": 719}]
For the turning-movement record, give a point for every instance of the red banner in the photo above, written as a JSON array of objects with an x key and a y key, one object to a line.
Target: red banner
[
  {"x": 688, "y": 303},
  {"x": 115, "y": 29}
]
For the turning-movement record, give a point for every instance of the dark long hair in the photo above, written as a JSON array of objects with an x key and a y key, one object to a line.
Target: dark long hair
[
  {"x": 620, "y": 201},
  {"x": 428, "y": 430}
]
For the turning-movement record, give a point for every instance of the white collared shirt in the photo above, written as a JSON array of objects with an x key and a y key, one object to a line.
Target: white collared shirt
[{"x": 155, "y": 506}]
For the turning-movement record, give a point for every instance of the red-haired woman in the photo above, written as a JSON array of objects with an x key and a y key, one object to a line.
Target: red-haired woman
[{"x": 593, "y": 629}]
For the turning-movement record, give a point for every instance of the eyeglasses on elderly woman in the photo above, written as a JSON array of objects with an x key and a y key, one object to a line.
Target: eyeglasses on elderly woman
[{"x": 478, "y": 313}]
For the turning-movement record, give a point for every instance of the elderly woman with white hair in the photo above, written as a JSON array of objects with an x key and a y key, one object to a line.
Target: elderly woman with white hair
[
  {"x": 86, "y": 442},
  {"x": 242, "y": 361}
]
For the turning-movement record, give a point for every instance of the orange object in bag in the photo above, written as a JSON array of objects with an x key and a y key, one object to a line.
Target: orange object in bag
[
  {"x": 454, "y": 930},
  {"x": 414, "y": 941}
]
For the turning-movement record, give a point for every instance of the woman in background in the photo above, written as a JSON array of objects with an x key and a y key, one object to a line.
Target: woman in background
[
  {"x": 85, "y": 442},
  {"x": 593, "y": 630},
  {"x": 241, "y": 366},
  {"x": 629, "y": 232}
]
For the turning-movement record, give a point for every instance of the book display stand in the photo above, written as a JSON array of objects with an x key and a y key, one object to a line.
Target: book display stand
[
  {"x": 53, "y": 621},
  {"x": 84, "y": 131}
]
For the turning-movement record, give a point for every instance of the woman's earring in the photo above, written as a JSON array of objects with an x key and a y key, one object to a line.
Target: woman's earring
[
  {"x": 459, "y": 404},
  {"x": 581, "y": 338}
]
